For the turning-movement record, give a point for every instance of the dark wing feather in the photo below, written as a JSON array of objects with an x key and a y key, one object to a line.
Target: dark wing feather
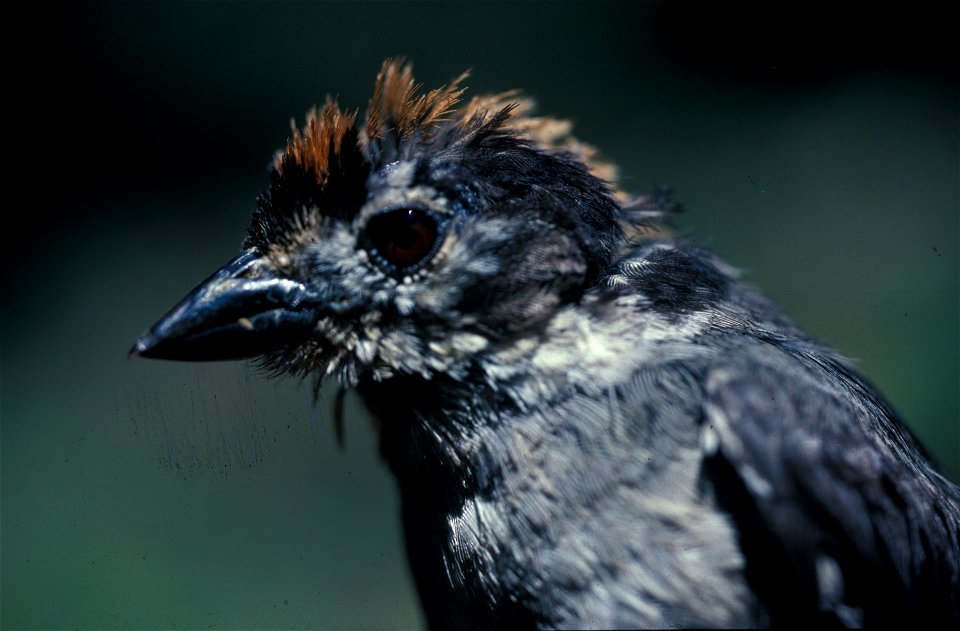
[{"x": 833, "y": 496}]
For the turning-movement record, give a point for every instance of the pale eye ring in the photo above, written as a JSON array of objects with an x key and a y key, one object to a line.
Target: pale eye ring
[{"x": 403, "y": 238}]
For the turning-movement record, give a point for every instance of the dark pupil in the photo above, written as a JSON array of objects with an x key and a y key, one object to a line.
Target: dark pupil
[{"x": 403, "y": 237}]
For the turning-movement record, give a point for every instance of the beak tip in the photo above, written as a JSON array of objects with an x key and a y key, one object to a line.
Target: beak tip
[{"x": 141, "y": 347}]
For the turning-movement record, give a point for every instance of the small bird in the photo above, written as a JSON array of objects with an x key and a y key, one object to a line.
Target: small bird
[{"x": 592, "y": 422}]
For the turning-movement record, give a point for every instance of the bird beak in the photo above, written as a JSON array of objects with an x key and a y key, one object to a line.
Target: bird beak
[{"x": 242, "y": 310}]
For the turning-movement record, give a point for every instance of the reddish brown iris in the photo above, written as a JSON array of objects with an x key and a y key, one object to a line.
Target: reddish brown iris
[{"x": 403, "y": 237}]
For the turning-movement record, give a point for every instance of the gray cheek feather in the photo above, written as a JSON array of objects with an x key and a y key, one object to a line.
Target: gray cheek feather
[{"x": 468, "y": 255}]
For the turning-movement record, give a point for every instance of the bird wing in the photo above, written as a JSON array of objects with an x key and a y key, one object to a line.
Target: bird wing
[{"x": 839, "y": 512}]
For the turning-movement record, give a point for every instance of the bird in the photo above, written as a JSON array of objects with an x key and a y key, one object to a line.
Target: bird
[{"x": 592, "y": 421}]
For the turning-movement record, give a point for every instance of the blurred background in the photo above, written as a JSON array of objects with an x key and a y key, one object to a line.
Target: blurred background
[{"x": 815, "y": 149}]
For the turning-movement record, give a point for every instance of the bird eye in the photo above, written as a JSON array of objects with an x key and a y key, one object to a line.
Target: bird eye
[{"x": 403, "y": 237}]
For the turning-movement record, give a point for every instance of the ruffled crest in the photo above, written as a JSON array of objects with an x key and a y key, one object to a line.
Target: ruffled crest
[{"x": 400, "y": 117}]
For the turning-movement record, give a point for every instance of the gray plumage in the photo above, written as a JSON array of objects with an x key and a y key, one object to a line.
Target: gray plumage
[{"x": 591, "y": 424}]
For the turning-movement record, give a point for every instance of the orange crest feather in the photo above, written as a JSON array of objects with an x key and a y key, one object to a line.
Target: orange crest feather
[
  {"x": 320, "y": 140},
  {"x": 396, "y": 107}
]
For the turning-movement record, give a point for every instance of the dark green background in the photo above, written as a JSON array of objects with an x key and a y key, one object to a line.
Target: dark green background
[{"x": 816, "y": 150}]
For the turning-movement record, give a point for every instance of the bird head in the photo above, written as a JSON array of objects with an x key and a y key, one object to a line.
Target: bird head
[{"x": 405, "y": 243}]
